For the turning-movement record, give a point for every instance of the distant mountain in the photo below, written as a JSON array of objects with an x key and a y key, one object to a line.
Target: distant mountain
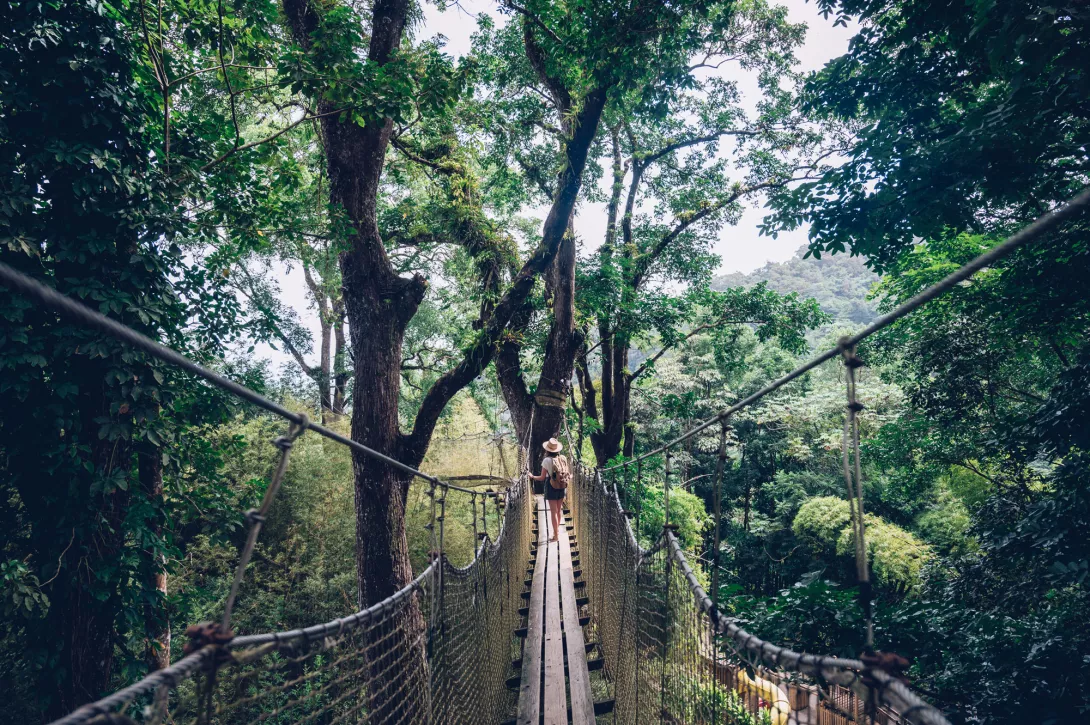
[{"x": 839, "y": 283}]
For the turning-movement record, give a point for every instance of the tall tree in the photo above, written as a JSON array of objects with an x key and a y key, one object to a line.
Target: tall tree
[
  {"x": 379, "y": 302},
  {"x": 671, "y": 146},
  {"x": 91, "y": 210}
]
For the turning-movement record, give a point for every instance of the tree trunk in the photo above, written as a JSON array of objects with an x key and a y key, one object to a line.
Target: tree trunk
[
  {"x": 616, "y": 379},
  {"x": 84, "y": 621},
  {"x": 380, "y": 319},
  {"x": 86, "y": 632},
  {"x": 340, "y": 368},
  {"x": 554, "y": 385},
  {"x": 156, "y": 618},
  {"x": 323, "y": 375},
  {"x": 745, "y": 514},
  {"x": 629, "y": 432},
  {"x": 509, "y": 373},
  {"x": 325, "y": 379},
  {"x": 379, "y": 305}
]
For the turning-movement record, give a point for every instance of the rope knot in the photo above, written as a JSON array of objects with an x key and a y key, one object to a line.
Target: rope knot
[
  {"x": 891, "y": 663},
  {"x": 847, "y": 351},
  {"x": 205, "y": 634},
  {"x": 297, "y": 429}
]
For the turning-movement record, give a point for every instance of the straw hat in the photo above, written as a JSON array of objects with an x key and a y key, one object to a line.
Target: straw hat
[{"x": 552, "y": 445}]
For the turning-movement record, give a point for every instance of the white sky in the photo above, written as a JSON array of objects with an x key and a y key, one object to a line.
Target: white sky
[{"x": 740, "y": 247}]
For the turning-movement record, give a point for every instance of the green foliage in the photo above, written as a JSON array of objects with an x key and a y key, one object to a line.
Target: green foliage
[
  {"x": 687, "y": 512},
  {"x": 304, "y": 567},
  {"x": 693, "y": 699},
  {"x": 21, "y": 592},
  {"x": 822, "y": 519},
  {"x": 91, "y": 209},
  {"x": 945, "y": 526},
  {"x": 896, "y": 556},
  {"x": 813, "y": 615},
  {"x": 790, "y": 490},
  {"x": 995, "y": 666},
  {"x": 840, "y": 284},
  {"x": 990, "y": 96}
]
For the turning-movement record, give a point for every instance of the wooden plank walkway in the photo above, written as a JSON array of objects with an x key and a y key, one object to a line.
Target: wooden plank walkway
[
  {"x": 556, "y": 701},
  {"x": 582, "y": 701},
  {"x": 530, "y": 687},
  {"x": 553, "y": 691}
]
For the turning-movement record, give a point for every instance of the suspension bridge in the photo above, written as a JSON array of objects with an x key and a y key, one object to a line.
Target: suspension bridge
[{"x": 594, "y": 627}]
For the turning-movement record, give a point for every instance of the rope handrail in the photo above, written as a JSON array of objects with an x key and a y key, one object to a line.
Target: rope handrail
[
  {"x": 191, "y": 663},
  {"x": 866, "y": 681},
  {"x": 67, "y": 307},
  {"x": 831, "y": 669},
  {"x": 260, "y": 644},
  {"x": 1042, "y": 225},
  {"x": 341, "y": 624},
  {"x": 373, "y": 652}
]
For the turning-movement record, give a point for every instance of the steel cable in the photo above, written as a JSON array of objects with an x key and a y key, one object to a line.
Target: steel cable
[{"x": 1046, "y": 223}]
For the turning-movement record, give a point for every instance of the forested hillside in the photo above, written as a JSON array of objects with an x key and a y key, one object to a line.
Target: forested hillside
[{"x": 840, "y": 283}]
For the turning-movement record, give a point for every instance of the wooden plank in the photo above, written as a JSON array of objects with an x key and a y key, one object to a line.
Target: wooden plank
[
  {"x": 582, "y": 699},
  {"x": 556, "y": 696},
  {"x": 530, "y": 687}
]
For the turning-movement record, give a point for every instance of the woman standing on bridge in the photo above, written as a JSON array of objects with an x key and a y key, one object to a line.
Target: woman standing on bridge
[{"x": 557, "y": 473}]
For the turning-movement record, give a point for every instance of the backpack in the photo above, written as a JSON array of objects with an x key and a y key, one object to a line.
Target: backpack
[{"x": 561, "y": 473}]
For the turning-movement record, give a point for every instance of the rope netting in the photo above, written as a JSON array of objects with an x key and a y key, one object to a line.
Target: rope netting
[
  {"x": 672, "y": 658},
  {"x": 671, "y": 655},
  {"x": 438, "y": 650}
]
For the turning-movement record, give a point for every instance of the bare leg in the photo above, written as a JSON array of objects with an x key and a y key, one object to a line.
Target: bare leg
[{"x": 555, "y": 509}]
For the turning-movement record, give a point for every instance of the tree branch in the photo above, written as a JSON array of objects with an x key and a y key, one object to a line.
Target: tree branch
[
  {"x": 271, "y": 321},
  {"x": 480, "y": 354},
  {"x": 645, "y": 260},
  {"x": 536, "y": 55},
  {"x": 536, "y": 21},
  {"x": 654, "y": 358},
  {"x": 686, "y": 143},
  {"x": 278, "y": 134},
  {"x": 402, "y": 147}
]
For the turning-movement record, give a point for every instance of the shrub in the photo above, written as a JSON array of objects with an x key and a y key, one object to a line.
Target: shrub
[{"x": 897, "y": 557}]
